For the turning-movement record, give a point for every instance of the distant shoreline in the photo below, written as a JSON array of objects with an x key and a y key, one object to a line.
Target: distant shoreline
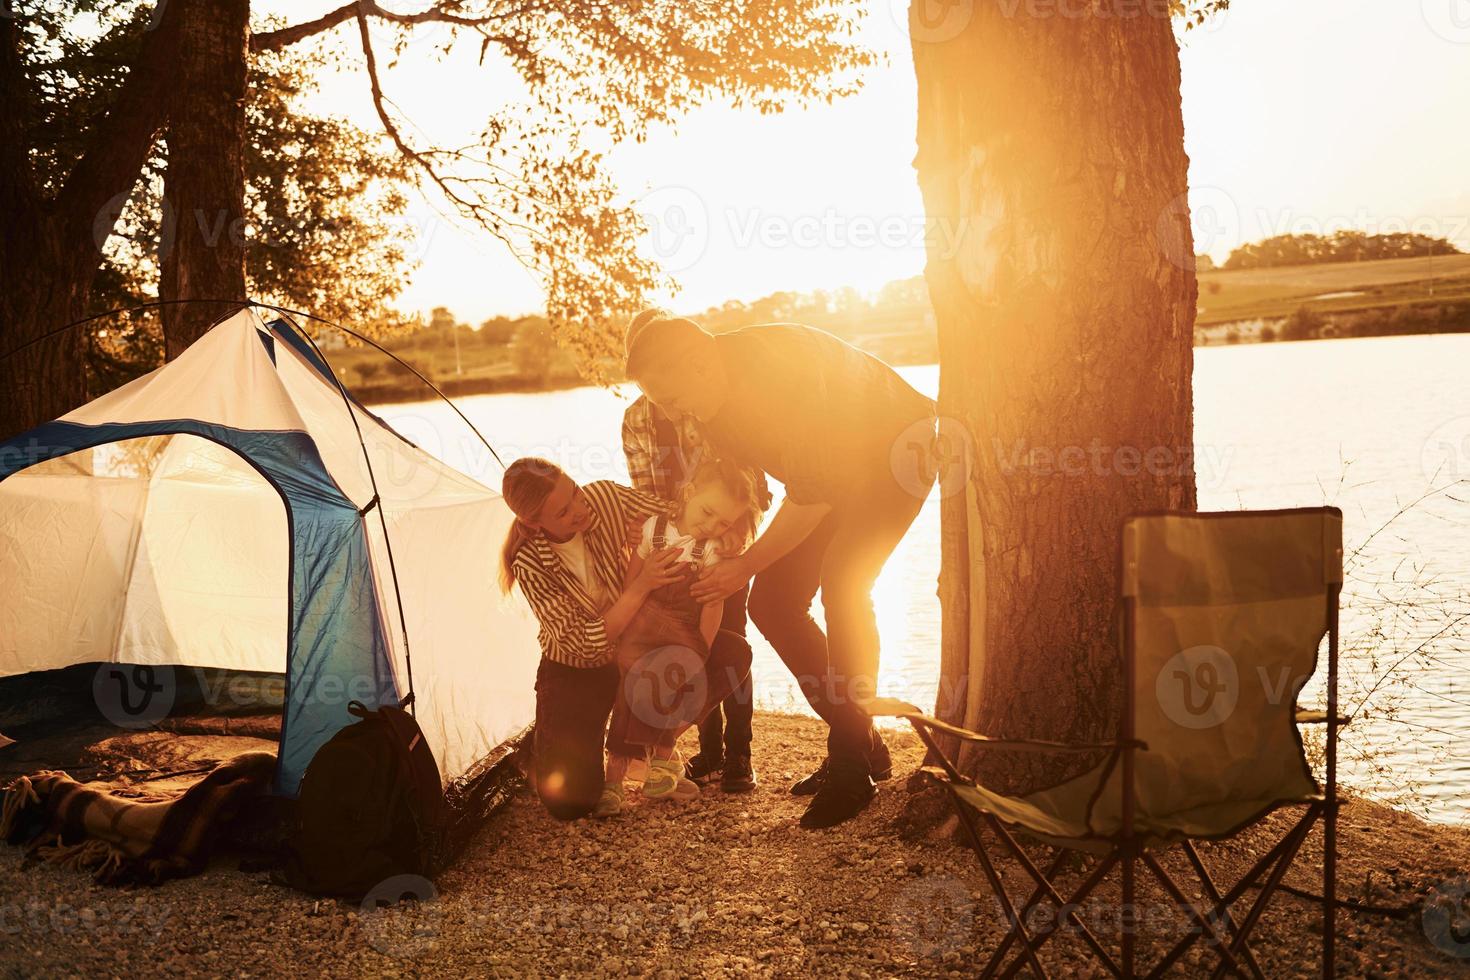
[{"x": 380, "y": 394}]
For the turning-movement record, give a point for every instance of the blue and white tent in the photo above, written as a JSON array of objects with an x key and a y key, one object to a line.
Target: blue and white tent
[{"x": 218, "y": 512}]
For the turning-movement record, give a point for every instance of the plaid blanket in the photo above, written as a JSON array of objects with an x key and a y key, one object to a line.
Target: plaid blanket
[{"x": 127, "y": 841}]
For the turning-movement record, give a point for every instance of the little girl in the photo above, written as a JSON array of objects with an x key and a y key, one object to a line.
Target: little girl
[{"x": 664, "y": 651}]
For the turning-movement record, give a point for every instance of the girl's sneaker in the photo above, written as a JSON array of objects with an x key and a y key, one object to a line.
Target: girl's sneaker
[
  {"x": 610, "y": 803},
  {"x": 665, "y": 781}
]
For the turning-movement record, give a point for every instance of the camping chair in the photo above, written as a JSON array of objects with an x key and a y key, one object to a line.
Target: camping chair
[{"x": 1221, "y": 618}]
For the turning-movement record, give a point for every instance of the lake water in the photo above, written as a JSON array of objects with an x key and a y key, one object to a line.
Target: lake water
[{"x": 1379, "y": 427}]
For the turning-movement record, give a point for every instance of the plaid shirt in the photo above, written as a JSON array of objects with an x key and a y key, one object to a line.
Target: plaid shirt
[
  {"x": 659, "y": 469},
  {"x": 572, "y": 628},
  {"x": 654, "y": 468}
]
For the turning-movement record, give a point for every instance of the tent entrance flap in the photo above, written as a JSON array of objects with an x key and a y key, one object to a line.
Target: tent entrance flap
[
  {"x": 333, "y": 645},
  {"x": 164, "y": 549}
]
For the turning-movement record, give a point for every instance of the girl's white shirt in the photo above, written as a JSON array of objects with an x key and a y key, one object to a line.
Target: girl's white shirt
[{"x": 674, "y": 538}]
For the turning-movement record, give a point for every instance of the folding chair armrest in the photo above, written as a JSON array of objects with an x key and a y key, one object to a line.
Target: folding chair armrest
[
  {"x": 1305, "y": 716},
  {"x": 892, "y": 707}
]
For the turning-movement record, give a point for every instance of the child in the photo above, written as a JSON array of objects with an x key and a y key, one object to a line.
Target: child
[{"x": 668, "y": 683}]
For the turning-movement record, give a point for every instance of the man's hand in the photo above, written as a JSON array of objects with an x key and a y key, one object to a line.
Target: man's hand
[{"x": 722, "y": 580}]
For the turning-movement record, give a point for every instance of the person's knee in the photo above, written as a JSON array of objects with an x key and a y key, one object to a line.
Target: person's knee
[
  {"x": 846, "y": 593},
  {"x": 566, "y": 794},
  {"x": 732, "y": 651}
]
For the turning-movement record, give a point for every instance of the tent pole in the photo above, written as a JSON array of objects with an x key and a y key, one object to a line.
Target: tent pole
[{"x": 383, "y": 521}]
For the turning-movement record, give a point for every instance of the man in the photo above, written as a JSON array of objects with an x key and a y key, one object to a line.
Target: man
[
  {"x": 839, "y": 429},
  {"x": 662, "y": 455}
]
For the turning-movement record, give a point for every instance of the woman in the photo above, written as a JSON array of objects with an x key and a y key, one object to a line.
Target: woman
[{"x": 568, "y": 551}]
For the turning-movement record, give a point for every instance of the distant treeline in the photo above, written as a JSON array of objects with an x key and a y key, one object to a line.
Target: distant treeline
[
  {"x": 519, "y": 354},
  {"x": 1342, "y": 246},
  {"x": 1383, "y": 321}
]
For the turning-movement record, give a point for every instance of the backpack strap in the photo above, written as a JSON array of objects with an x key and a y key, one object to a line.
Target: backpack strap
[
  {"x": 660, "y": 532},
  {"x": 697, "y": 555}
]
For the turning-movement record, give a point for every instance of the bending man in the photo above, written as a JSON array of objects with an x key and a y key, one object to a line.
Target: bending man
[{"x": 840, "y": 430}]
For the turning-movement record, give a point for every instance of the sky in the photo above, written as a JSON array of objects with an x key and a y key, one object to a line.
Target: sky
[{"x": 1300, "y": 116}]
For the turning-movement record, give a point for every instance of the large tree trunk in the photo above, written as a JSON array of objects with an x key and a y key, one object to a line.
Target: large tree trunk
[
  {"x": 203, "y": 245},
  {"x": 42, "y": 290},
  {"x": 1051, "y": 161},
  {"x": 51, "y": 245}
]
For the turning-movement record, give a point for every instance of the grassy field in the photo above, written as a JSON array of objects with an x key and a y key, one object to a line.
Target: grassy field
[{"x": 1267, "y": 293}]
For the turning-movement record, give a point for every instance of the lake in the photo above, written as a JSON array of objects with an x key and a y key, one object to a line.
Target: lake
[{"x": 1379, "y": 427}]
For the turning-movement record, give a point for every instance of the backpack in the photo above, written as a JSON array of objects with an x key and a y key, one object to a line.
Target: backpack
[{"x": 370, "y": 807}]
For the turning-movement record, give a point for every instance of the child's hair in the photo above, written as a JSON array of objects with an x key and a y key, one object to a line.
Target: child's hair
[
  {"x": 526, "y": 485},
  {"x": 740, "y": 484}
]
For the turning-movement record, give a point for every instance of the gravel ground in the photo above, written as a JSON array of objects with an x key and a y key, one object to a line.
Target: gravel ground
[{"x": 728, "y": 884}]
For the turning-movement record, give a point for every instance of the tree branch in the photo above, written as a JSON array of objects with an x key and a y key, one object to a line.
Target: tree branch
[
  {"x": 475, "y": 210},
  {"x": 119, "y": 145},
  {"x": 273, "y": 40}
]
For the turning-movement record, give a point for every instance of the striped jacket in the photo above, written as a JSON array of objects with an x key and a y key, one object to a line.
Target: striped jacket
[{"x": 572, "y": 629}]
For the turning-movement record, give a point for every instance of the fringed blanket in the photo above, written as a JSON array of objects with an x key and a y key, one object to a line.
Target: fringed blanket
[{"x": 125, "y": 841}]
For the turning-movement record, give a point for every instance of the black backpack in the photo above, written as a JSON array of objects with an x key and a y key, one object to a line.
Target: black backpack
[{"x": 370, "y": 807}]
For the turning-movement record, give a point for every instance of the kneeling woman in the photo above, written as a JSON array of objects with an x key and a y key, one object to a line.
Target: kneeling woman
[{"x": 568, "y": 550}]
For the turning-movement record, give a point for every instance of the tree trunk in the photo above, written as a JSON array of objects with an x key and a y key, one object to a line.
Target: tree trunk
[
  {"x": 45, "y": 288},
  {"x": 202, "y": 248},
  {"x": 38, "y": 381},
  {"x": 51, "y": 244},
  {"x": 1060, "y": 263}
]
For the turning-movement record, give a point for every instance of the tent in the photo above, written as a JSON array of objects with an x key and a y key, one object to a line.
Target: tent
[{"x": 219, "y": 512}]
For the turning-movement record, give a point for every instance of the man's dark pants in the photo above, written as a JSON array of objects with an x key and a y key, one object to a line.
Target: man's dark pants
[
  {"x": 726, "y": 730},
  {"x": 843, "y": 557}
]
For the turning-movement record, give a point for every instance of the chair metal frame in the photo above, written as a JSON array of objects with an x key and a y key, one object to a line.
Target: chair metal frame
[{"x": 1228, "y": 937}]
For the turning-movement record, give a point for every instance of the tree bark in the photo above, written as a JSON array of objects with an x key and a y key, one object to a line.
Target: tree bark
[
  {"x": 51, "y": 247},
  {"x": 202, "y": 248},
  {"x": 1060, "y": 264}
]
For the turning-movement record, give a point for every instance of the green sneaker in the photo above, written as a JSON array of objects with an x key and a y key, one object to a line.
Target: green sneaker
[
  {"x": 665, "y": 781},
  {"x": 610, "y": 803}
]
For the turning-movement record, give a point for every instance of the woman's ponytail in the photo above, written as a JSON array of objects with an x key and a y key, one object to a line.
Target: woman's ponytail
[{"x": 526, "y": 485}]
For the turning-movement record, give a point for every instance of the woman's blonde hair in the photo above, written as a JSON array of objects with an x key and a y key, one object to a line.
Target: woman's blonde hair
[
  {"x": 740, "y": 484},
  {"x": 526, "y": 485}
]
